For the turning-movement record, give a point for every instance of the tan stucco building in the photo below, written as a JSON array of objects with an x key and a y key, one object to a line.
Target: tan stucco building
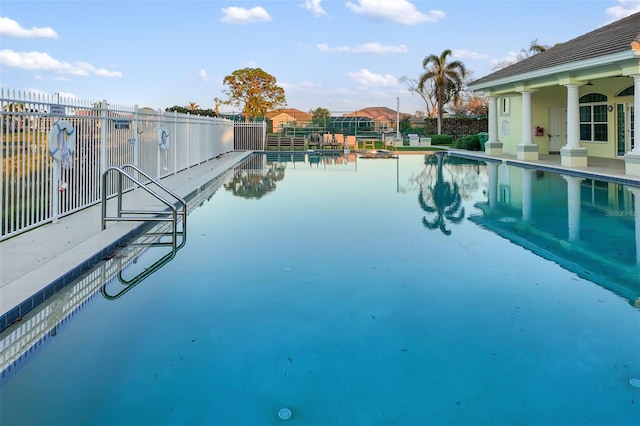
[{"x": 576, "y": 99}]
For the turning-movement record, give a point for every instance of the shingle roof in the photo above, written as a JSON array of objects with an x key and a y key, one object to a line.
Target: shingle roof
[
  {"x": 301, "y": 115},
  {"x": 376, "y": 113},
  {"x": 610, "y": 39}
]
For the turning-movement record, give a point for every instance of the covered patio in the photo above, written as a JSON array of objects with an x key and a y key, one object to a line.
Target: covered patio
[{"x": 571, "y": 105}]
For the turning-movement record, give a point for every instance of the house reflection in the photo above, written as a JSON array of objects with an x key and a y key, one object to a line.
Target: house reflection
[{"x": 590, "y": 227}]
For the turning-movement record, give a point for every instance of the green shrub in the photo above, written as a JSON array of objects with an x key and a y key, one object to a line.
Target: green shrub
[
  {"x": 441, "y": 139},
  {"x": 469, "y": 142}
]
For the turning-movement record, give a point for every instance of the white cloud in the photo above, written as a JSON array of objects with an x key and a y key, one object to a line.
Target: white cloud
[
  {"x": 41, "y": 61},
  {"x": 203, "y": 75},
  {"x": 466, "y": 54},
  {"x": 511, "y": 58},
  {"x": 374, "y": 47},
  {"x": 11, "y": 28},
  {"x": 623, "y": 9},
  {"x": 314, "y": 7},
  {"x": 400, "y": 11},
  {"x": 240, "y": 15},
  {"x": 304, "y": 87},
  {"x": 367, "y": 78}
]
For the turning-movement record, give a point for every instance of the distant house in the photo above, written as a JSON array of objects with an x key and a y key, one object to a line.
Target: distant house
[
  {"x": 577, "y": 99},
  {"x": 384, "y": 119},
  {"x": 278, "y": 119}
]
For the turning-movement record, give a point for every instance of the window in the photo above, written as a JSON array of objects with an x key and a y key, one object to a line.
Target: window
[
  {"x": 626, "y": 92},
  {"x": 504, "y": 106},
  {"x": 593, "y": 118}
]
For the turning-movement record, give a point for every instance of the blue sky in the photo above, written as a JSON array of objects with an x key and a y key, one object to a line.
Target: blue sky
[{"x": 336, "y": 54}]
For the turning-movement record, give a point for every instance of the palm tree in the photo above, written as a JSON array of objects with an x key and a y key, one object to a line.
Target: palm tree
[
  {"x": 446, "y": 198},
  {"x": 193, "y": 106},
  {"x": 447, "y": 79},
  {"x": 535, "y": 47}
]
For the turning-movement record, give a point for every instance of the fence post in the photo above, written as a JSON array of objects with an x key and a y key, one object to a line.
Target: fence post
[
  {"x": 158, "y": 150},
  {"x": 264, "y": 135},
  {"x": 175, "y": 142},
  {"x": 55, "y": 191},
  {"x": 188, "y": 142},
  {"x": 103, "y": 136},
  {"x": 136, "y": 142}
]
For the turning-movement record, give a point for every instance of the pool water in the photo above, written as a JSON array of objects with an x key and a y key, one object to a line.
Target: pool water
[{"x": 363, "y": 292}]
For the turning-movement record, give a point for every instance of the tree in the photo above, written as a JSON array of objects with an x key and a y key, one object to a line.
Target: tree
[
  {"x": 254, "y": 90},
  {"x": 193, "y": 106},
  {"x": 426, "y": 93},
  {"x": 320, "y": 117},
  {"x": 468, "y": 102},
  {"x": 534, "y": 49},
  {"x": 445, "y": 198},
  {"x": 255, "y": 183},
  {"x": 447, "y": 79}
]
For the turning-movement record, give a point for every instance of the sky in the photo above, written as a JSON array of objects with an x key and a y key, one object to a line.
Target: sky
[{"x": 335, "y": 54}]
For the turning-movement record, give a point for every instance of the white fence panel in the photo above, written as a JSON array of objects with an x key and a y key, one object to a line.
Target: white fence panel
[{"x": 35, "y": 189}]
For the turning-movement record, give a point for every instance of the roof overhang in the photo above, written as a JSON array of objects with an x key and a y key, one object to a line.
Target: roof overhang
[{"x": 625, "y": 63}]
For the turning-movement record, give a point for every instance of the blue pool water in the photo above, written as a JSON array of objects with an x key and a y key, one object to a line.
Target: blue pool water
[{"x": 367, "y": 292}]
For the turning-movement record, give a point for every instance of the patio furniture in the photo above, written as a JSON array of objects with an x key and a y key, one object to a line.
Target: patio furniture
[
  {"x": 392, "y": 143},
  {"x": 351, "y": 142},
  {"x": 286, "y": 143},
  {"x": 330, "y": 141},
  {"x": 272, "y": 143},
  {"x": 315, "y": 141},
  {"x": 368, "y": 143},
  {"x": 297, "y": 144}
]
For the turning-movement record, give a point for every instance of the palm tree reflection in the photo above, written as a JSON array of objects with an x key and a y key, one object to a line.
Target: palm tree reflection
[
  {"x": 441, "y": 200},
  {"x": 255, "y": 183}
]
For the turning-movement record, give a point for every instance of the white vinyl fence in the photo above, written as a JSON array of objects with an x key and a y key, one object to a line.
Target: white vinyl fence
[{"x": 36, "y": 189}]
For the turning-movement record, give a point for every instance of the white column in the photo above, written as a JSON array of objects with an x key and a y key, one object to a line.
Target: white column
[
  {"x": 493, "y": 119},
  {"x": 493, "y": 184},
  {"x": 527, "y": 138},
  {"x": 636, "y": 207},
  {"x": 573, "y": 203},
  {"x": 527, "y": 150},
  {"x": 632, "y": 158},
  {"x": 493, "y": 146},
  {"x": 636, "y": 111},
  {"x": 527, "y": 183},
  {"x": 573, "y": 116},
  {"x": 573, "y": 154}
]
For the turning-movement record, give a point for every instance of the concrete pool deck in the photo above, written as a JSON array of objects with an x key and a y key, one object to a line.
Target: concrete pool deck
[{"x": 31, "y": 261}]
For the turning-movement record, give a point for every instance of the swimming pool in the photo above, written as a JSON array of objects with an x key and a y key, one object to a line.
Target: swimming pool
[{"x": 358, "y": 291}]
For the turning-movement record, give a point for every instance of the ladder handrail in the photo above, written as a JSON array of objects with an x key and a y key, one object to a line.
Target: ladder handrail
[
  {"x": 157, "y": 182},
  {"x": 174, "y": 210},
  {"x": 157, "y": 217},
  {"x": 121, "y": 173},
  {"x": 129, "y": 284}
]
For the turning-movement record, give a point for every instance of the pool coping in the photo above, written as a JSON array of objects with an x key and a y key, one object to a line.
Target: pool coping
[{"x": 563, "y": 170}]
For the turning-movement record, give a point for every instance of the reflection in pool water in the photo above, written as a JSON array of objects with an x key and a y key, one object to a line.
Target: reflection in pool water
[{"x": 332, "y": 298}]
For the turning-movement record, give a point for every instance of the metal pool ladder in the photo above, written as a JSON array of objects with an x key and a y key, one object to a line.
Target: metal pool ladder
[{"x": 176, "y": 206}]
